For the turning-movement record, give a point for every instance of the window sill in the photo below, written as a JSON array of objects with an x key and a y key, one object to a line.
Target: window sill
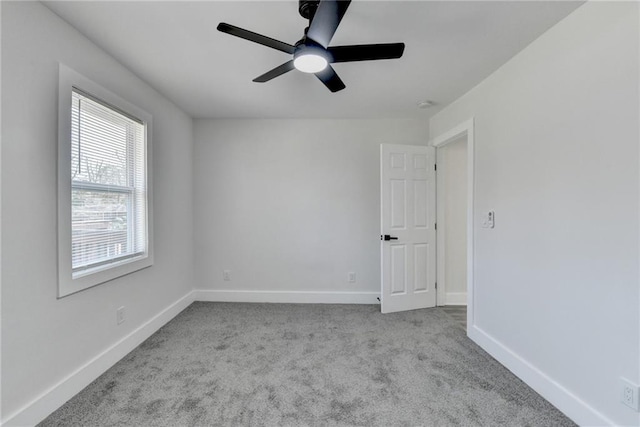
[{"x": 70, "y": 283}]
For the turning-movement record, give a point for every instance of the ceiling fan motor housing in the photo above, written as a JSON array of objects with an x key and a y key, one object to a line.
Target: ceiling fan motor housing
[{"x": 307, "y": 46}]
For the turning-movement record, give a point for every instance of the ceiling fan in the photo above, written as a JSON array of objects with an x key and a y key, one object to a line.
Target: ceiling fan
[{"x": 312, "y": 54}]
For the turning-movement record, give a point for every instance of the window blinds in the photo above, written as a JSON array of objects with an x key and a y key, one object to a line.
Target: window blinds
[{"x": 108, "y": 172}]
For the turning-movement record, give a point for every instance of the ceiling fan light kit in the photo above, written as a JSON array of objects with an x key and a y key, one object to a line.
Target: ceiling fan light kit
[
  {"x": 310, "y": 57},
  {"x": 312, "y": 54},
  {"x": 310, "y": 63}
]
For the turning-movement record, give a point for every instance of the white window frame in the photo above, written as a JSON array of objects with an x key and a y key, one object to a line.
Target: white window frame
[{"x": 68, "y": 282}]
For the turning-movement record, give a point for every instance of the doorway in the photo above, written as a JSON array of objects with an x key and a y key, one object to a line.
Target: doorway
[
  {"x": 452, "y": 219},
  {"x": 454, "y": 249}
]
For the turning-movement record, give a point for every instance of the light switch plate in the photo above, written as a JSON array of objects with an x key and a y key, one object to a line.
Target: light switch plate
[{"x": 489, "y": 220}]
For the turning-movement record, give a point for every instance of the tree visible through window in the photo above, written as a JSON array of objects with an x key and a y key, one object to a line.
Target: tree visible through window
[{"x": 108, "y": 200}]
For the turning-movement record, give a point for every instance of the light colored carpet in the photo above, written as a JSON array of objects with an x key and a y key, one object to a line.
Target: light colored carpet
[
  {"x": 457, "y": 313},
  {"x": 226, "y": 364}
]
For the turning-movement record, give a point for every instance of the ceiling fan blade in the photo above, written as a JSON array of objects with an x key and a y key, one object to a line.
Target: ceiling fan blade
[
  {"x": 256, "y": 38},
  {"x": 326, "y": 20},
  {"x": 330, "y": 79},
  {"x": 278, "y": 71},
  {"x": 366, "y": 52}
]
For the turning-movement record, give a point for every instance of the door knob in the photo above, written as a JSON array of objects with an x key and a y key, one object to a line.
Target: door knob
[{"x": 387, "y": 237}]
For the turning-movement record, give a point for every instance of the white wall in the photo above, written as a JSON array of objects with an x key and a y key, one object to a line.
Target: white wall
[
  {"x": 45, "y": 339},
  {"x": 452, "y": 171},
  {"x": 292, "y": 205},
  {"x": 556, "y": 281}
]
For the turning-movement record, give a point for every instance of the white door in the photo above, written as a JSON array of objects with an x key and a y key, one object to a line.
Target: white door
[{"x": 408, "y": 234}]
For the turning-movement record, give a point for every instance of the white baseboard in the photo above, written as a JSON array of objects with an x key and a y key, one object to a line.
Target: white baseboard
[
  {"x": 56, "y": 396},
  {"x": 570, "y": 404},
  {"x": 455, "y": 298},
  {"x": 287, "y": 297}
]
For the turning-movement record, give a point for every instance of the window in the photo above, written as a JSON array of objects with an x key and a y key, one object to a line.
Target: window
[
  {"x": 103, "y": 201},
  {"x": 108, "y": 185}
]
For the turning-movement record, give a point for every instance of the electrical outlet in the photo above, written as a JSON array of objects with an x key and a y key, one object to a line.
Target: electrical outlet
[
  {"x": 629, "y": 394},
  {"x": 351, "y": 277},
  {"x": 120, "y": 315},
  {"x": 226, "y": 275}
]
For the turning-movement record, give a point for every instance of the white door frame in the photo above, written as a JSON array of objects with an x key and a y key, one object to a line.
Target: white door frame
[{"x": 465, "y": 129}]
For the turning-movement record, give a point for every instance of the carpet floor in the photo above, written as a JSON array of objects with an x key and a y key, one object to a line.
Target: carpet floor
[
  {"x": 457, "y": 313},
  {"x": 229, "y": 364}
]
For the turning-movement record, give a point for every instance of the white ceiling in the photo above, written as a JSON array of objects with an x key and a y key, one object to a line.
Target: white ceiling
[{"x": 450, "y": 47}]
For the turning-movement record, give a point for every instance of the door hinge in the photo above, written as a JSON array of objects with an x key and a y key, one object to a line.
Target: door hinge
[
  {"x": 435, "y": 226},
  {"x": 436, "y": 285},
  {"x": 435, "y": 167}
]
